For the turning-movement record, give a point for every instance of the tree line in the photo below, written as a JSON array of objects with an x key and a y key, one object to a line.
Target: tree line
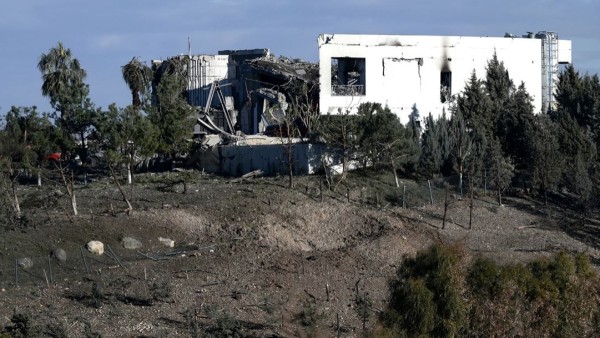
[
  {"x": 490, "y": 132},
  {"x": 30, "y": 141}
]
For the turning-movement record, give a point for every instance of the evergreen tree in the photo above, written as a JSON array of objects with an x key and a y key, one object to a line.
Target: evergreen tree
[
  {"x": 415, "y": 130},
  {"x": 340, "y": 132},
  {"x": 580, "y": 153},
  {"x": 500, "y": 168},
  {"x": 414, "y": 123},
  {"x": 547, "y": 160},
  {"x": 568, "y": 95},
  {"x": 462, "y": 145},
  {"x": 384, "y": 139},
  {"x": 124, "y": 134},
  {"x": 498, "y": 86},
  {"x": 442, "y": 127},
  {"x": 579, "y": 96},
  {"x": 476, "y": 106},
  {"x": 431, "y": 159},
  {"x": 32, "y": 130},
  {"x": 172, "y": 115},
  {"x": 366, "y": 127},
  {"x": 436, "y": 147},
  {"x": 515, "y": 128}
]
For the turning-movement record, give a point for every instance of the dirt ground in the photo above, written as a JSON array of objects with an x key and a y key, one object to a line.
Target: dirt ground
[{"x": 251, "y": 257}]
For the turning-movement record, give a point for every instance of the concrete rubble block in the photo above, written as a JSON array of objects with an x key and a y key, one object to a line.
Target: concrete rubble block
[
  {"x": 25, "y": 263},
  {"x": 59, "y": 254},
  {"x": 167, "y": 242},
  {"x": 95, "y": 247},
  {"x": 131, "y": 243}
]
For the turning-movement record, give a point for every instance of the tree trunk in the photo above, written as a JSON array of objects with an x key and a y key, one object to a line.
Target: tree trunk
[
  {"x": 83, "y": 149},
  {"x": 130, "y": 169},
  {"x": 445, "y": 209},
  {"x": 394, "y": 170},
  {"x": 471, "y": 205},
  {"x": 499, "y": 197},
  {"x": 16, "y": 200},
  {"x": 290, "y": 160},
  {"x": 114, "y": 176},
  {"x": 11, "y": 192},
  {"x": 73, "y": 203},
  {"x": 70, "y": 189},
  {"x": 39, "y": 177}
]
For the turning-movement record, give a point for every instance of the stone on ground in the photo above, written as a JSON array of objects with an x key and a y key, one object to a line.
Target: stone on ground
[{"x": 95, "y": 247}]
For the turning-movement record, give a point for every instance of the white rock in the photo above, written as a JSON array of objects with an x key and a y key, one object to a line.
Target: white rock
[
  {"x": 167, "y": 242},
  {"x": 95, "y": 247},
  {"x": 25, "y": 263},
  {"x": 131, "y": 243},
  {"x": 59, "y": 254}
]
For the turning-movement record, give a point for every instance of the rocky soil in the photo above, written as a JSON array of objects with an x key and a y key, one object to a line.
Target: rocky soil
[{"x": 250, "y": 256}]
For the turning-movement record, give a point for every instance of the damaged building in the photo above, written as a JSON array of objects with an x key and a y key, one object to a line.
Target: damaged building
[
  {"x": 405, "y": 70},
  {"x": 244, "y": 90},
  {"x": 242, "y": 98}
]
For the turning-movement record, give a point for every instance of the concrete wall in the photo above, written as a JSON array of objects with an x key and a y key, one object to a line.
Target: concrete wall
[
  {"x": 270, "y": 158},
  {"x": 203, "y": 71},
  {"x": 405, "y": 70}
]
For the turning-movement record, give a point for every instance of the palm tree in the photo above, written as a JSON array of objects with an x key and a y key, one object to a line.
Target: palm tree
[
  {"x": 60, "y": 72},
  {"x": 63, "y": 82},
  {"x": 137, "y": 76}
]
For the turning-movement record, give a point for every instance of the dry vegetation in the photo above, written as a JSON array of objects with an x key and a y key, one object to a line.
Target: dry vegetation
[{"x": 251, "y": 257}]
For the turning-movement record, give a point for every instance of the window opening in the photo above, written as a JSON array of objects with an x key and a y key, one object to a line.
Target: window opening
[
  {"x": 348, "y": 76},
  {"x": 445, "y": 86}
]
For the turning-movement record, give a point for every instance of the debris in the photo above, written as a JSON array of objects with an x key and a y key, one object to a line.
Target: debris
[
  {"x": 167, "y": 242},
  {"x": 252, "y": 174}
]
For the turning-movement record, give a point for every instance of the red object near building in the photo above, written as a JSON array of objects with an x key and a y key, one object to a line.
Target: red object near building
[{"x": 54, "y": 157}]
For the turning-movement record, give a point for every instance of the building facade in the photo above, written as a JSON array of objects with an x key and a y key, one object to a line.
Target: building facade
[{"x": 401, "y": 71}]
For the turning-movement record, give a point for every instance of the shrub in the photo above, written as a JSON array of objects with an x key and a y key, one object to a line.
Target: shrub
[
  {"x": 484, "y": 278},
  {"x": 428, "y": 294},
  {"x": 437, "y": 294}
]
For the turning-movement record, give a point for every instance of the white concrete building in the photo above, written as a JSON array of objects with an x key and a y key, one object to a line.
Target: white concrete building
[{"x": 403, "y": 70}]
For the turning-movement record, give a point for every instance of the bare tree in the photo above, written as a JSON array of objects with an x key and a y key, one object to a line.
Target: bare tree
[{"x": 68, "y": 178}]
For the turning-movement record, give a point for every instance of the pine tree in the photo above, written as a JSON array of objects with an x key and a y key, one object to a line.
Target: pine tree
[
  {"x": 476, "y": 106},
  {"x": 515, "y": 128},
  {"x": 500, "y": 168},
  {"x": 430, "y": 161},
  {"x": 499, "y": 87},
  {"x": 580, "y": 153},
  {"x": 384, "y": 139},
  {"x": 172, "y": 115},
  {"x": 462, "y": 145},
  {"x": 547, "y": 160},
  {"x": 340, "y": 132}
]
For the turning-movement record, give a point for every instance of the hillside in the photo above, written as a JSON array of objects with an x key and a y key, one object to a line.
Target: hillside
[{"x": 250, "y": 257}]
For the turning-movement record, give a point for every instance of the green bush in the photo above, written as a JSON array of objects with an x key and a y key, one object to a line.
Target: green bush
[
  {"x": 484, "y": 277},
  {"x": 413, "y": 308},
  {"x": 438, "y": 294},
  {"x": 427, "y": 297}
]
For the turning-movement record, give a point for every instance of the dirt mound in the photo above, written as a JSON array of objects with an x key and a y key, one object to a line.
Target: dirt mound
[{"x": 253, "y": 254}]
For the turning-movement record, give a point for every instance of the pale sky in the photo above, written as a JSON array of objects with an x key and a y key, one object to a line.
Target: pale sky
[{"x": 106, "y": 34}]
